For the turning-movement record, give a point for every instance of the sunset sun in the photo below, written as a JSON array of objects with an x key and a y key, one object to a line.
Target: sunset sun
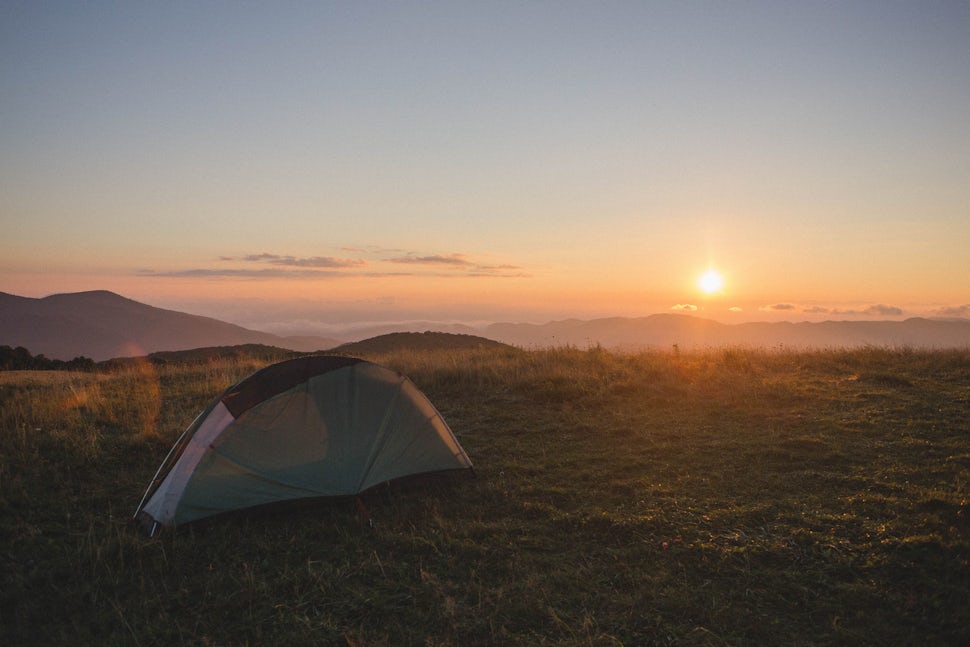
[{"x": 710, "y": 282}]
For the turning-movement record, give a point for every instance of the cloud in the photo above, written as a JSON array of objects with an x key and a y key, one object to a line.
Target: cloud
[
  {"x": 954, "y": 311},
  {"x": 879, "y": 310},
  {"x": 371, "y": 249},
  {"x": 504, "y": 271},
  {"x": 319, "y": 261},
  {"x": 265, "y": 265},
  {"x": 883, "y": 310},
  {"x": 777, "y": 307},
  {"x": 685, "y": 307},
  {"x": 460, "y": 265},
  {"x": 265, "y": 273},
  {"x": 736, "y": 309},
  {"x": 456, "y": 260},
  {"x": 312, "y": 261}
]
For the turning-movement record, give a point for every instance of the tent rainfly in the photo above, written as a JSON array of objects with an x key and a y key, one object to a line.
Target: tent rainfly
[{"x": 314, "y": 426}]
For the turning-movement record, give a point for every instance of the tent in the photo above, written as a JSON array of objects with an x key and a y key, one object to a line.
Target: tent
[{"x": 315, "y": 426}]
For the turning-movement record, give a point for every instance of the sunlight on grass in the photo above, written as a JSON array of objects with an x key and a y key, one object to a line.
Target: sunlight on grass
[{"x": 728, "y": 496}]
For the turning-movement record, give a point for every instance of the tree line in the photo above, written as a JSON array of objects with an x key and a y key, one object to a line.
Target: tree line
[{"x": 20, "y": 359}]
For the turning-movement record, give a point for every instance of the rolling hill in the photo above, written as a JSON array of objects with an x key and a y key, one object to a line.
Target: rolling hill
[{"x": 416, "y": 341}]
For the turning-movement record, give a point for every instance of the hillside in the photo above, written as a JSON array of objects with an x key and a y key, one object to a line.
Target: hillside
[
  {"x": 722, "y": 497},
  {"x": 102, "y": 325},
  {"x": 413, "y": 341}
]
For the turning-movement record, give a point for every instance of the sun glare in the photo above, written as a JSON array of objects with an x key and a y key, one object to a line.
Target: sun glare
[{"x": 710, "y": 282}]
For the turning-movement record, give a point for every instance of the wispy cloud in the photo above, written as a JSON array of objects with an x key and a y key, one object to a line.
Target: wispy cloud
[
  {"x": 461, "y": 265},
  {"x": 311, "y": 261},
  {"x": 265, "y": 265},
  {"x": 500, "y": 268},
  {"x": 262, "y": 273},
  {"x": 684, "y": 307},
  {"x": 455, "y": 260},
  {"x": 777, "y": 307},
  {"x": 371, "y": 249},
  {"x": 498, "y": 271}
]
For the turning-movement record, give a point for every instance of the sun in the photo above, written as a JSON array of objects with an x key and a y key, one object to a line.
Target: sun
[{"x": 710, "y": 282}]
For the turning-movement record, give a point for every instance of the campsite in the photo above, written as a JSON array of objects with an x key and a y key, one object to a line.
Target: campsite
[{"x": 716, "y": 497}]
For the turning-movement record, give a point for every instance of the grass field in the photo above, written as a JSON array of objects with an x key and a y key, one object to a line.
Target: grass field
[{"x": 726, "y": 497}]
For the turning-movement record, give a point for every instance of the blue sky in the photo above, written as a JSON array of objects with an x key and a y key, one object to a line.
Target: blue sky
[{"x": 494, "y": 160}]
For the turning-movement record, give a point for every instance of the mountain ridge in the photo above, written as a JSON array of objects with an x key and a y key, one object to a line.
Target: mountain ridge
[
  {"x": 103, "y": 325},
  {"x": 688, "y": 331}
]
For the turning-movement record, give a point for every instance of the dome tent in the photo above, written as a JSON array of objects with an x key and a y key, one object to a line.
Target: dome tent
[{"x": 315, "y": 426}]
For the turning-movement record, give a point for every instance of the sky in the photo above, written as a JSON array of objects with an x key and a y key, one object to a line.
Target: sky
[{"x": 295, "y": 166}]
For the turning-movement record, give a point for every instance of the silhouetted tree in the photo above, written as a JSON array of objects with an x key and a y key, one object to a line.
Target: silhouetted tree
[{"x": 20, "y": 359}]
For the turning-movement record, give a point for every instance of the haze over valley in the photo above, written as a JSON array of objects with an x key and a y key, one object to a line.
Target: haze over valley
[{"x": 103, "y": 325}]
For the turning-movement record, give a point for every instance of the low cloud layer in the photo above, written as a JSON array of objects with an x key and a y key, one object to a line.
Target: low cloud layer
[
  {"x": 954, "y": 311},
  {"x": 875, "y": 310},
  {"x": 883, "y": 310}
]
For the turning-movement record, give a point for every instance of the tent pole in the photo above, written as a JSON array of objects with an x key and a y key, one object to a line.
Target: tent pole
[{"x": 165, "y": 463}]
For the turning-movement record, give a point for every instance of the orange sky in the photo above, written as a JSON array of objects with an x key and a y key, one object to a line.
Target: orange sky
[{"x": 323, "y": 163}]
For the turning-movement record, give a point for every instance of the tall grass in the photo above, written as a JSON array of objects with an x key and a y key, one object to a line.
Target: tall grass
[{"x": 722, "y": 497}]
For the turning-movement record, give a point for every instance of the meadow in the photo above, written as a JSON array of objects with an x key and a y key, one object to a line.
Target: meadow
[{"x": 719, "y": 497}]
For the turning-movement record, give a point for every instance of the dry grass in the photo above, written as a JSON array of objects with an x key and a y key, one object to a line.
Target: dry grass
[{"x": 709, "y": 498}]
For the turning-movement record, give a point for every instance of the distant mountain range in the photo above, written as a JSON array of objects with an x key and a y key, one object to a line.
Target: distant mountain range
[
  {"x": 685, "y": 331},
  {"x": 103, "y": 325}
]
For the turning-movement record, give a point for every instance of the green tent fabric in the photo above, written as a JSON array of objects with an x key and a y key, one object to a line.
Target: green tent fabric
[{"x": 315, "y": 426}]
